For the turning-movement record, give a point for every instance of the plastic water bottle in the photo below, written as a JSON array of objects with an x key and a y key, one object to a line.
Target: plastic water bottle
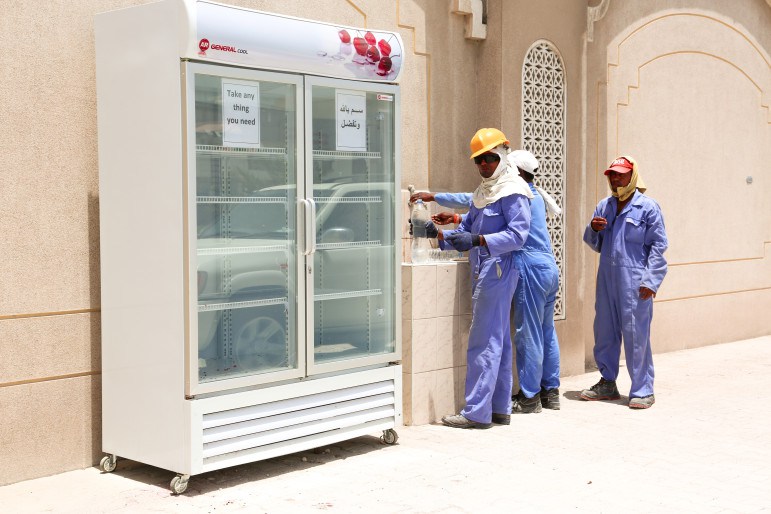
[{"x": 420, "y": 244}]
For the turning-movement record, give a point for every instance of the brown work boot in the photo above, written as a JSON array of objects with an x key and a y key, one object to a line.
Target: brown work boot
[
  {"x": 602, "y": 390},
  {"x": 642, "y": 403},
  {"x": 461, "y": 421},
  {"x": 550, "y": 398},
  {"x": 522, "y": 405},
  {"x": 501, "y": 419}
]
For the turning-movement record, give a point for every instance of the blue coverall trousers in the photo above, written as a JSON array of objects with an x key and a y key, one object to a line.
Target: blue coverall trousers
[
  {"x": 621, "y": 314},
  {"x": 538, "y": 353},
  {"x": 488, "y": 375}
]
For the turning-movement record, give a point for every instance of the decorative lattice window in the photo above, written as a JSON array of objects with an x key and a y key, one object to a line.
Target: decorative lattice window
[{"x": 543, "y": 134}]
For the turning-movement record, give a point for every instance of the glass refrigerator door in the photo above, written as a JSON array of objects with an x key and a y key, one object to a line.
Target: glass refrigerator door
[
  {"x": 352, "y": 317},
  {"x": 242, "y": 227}
]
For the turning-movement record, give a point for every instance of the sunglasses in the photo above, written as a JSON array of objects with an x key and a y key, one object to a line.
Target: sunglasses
[{"x": 489, "y": 158}]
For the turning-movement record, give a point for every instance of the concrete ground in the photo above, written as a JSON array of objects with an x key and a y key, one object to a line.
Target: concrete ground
[{"x": 705, "y": 446}]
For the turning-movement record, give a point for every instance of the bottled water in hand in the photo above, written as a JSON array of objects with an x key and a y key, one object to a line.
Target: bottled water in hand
[{"x": 420, "y": 245}]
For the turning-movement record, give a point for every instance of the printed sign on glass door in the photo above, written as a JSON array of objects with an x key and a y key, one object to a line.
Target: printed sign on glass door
[
  {"x": 240, "y": 113},
  {"x": 351, "y": 117}
]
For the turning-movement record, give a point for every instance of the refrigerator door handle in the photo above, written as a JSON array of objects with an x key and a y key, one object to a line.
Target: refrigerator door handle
[
  {"x": 309, "y": 212},
  {"x": 310, "y": 235}
]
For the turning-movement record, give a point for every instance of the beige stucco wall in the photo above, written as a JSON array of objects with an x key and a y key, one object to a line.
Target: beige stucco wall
[
  {"x": 686, "y": 92},
  {"x": 49, "y": 270},
  {"x": 718, "y": 287}
]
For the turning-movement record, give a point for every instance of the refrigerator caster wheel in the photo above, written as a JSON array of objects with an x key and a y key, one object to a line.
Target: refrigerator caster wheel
[
  {"x": 108, "y": 463},
  {"x": 179, "y": 484},
  {"x": 389, "y": 436}
]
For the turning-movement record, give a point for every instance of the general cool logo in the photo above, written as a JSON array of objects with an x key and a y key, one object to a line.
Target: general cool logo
[{"x": 204, "y": 45}]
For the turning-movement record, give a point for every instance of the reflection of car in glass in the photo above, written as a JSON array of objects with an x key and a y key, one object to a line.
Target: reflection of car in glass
[{"x": 245, "y": 252}]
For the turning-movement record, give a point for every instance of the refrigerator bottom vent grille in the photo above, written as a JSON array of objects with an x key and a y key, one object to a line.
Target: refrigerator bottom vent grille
[{"x": 277, "y": 428}]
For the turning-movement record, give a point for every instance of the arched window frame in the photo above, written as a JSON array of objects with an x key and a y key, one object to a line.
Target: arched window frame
[{"x": 544, "y": 104}]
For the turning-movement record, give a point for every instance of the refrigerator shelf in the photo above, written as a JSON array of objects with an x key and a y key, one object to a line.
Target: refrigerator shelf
[
  {"x": 205, "y": 307},
  {"x": 354, "y": 244},
  {"x": 238, "y": 150},
  {"x": 347, "y": 294},
  {"x": 230, "y": 250},
  {"x": 240, "y": 199},
  {"x": 348, "y": 199},
  {"x": 339, "y": 154}
]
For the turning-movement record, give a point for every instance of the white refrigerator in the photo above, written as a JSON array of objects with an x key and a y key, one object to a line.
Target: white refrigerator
[{"x": 249, "y": 242}]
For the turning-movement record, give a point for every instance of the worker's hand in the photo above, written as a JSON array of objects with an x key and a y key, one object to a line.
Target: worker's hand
[
  {"x": 445, "y": 218},
  {"x": 463, "y": 241},
  {"x": 599, "y": 223},
  {"x": 431, "y": 231},
  {"x": 425, "y": 196},
  {"x": 646, "y": 293}
]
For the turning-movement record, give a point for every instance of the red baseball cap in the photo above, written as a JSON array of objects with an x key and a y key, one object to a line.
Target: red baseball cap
[{"x": 620, "y": 165}]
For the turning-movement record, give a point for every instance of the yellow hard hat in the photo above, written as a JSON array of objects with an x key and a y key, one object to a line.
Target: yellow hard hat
[{"x": 486, "y": 139}]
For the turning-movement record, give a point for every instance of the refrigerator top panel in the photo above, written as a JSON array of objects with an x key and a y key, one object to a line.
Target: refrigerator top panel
[{"x": 221, "y": 33}]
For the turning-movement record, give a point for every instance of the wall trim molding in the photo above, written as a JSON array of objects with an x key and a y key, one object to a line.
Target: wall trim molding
[
  {"x": 707, "y": 295},
  {"x": 356, "y": 7},
  {"x": 46, "y": 314},
  {"x": 49, "y": 379}
]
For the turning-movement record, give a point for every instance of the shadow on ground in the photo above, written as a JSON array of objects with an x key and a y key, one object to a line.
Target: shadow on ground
[{"x": 251, "y": 472}]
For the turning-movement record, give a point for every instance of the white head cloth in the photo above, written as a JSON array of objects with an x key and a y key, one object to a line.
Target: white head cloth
[
  {"x": 503, "y": 182},
  {"x": 552, "y": 209},
  {"x": 525, "y": 160}
]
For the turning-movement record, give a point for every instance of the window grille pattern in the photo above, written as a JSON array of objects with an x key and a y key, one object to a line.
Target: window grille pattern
[{"x": 543, "y": 134}]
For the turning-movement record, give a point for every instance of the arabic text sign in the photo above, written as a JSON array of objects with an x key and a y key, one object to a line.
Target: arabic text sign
[
  {"x": 240, "y": 113},
  {"x": 351, "y": 117}
]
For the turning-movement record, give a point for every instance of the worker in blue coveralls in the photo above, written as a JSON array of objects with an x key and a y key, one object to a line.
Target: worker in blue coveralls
[
  {"x": 627, "y": 230},
  {"x": 538, "y": 352},
  {"x": 496, "y": 225},
  {"x": 538, "y": 357}
]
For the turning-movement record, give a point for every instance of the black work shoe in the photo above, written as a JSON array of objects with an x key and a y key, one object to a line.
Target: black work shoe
[
  {"x": 501, "y": 419},
  {"x": 550, "y": 398},
  {"x": 642, "y": 403},
  {"x": 460, "y": 421},
  {"x": 522, "y": 405},
  {"x": 602, "y": 390}
]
